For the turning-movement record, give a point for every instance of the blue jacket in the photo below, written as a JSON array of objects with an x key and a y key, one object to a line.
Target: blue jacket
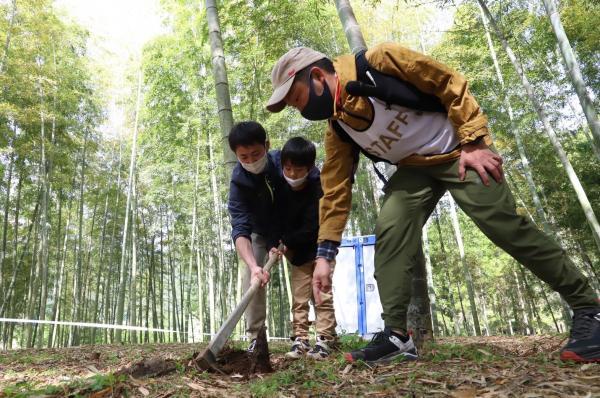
[{"x": 252, "y": 200}]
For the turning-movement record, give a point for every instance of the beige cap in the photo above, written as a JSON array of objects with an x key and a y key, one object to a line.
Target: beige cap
[{"x": 282, "y": 76}]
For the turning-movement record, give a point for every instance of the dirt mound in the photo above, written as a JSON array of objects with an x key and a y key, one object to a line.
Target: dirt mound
[{"x": 232, "y": 361}]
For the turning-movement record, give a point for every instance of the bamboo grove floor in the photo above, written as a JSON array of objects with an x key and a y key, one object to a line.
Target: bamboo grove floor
[{"x": 452, "y": 367}]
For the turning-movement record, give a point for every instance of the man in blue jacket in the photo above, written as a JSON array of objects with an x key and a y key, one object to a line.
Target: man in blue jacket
[{"x": 255, "y": 182}]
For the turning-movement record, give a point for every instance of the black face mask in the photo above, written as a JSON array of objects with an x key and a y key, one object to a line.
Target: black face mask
[{"x": 318, "y": 107}]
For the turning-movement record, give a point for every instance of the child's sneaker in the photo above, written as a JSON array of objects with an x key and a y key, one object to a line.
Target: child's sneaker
[
  {"x": 251, "y": 346},
  {"x": 385, "y": 347},
  {"x": 584, "y": 341},
  {"x": 299, "y": 348},
  {"x": 321, "y": 350}
]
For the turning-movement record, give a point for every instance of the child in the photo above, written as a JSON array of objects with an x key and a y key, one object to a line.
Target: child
[
  {"x": 255, "y": 181},
  {"x": 299, "y": 215}
]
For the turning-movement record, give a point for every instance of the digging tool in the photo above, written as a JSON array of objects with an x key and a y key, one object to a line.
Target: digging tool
[{"x": 208, "y": 358}]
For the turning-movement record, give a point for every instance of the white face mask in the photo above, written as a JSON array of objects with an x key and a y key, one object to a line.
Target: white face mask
[
  {"x": 295, "y": 183},
  {"x": 256, "y": 167}
]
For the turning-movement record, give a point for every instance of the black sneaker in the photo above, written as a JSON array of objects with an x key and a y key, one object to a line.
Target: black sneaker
[
  {"x": 384, "y": 347},
  {"x": 252, "y": 346},
  {"x": 584, "y": 342}
]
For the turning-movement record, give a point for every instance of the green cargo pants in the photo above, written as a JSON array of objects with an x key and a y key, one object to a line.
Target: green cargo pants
[{"x": 411, "y": 195}]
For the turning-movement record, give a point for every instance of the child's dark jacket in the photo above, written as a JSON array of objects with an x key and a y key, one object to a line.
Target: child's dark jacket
[
  {"x": 300, "y": 218},
  {"x": 252, "y": 200}
]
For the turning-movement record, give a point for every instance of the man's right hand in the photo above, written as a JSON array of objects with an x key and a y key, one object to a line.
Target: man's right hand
[{"x": 257, "y": 273}]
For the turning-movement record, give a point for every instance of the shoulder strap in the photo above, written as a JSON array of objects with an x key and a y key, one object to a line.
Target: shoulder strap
[
  {"x": 362, "y": 66},
  {"x": 381, "y": 176},
  {"x": 390, "y": 89}
]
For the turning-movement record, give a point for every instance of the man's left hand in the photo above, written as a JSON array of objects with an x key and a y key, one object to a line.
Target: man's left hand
[
  {"x": 321, "y": 280},
  {"x": 479, "y": 157}
]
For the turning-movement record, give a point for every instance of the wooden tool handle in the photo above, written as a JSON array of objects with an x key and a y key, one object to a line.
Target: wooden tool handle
[{"x": 218, "y": 341}]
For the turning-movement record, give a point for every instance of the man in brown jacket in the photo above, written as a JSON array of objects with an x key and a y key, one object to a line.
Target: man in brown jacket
[{"x": 448, "y": 150}]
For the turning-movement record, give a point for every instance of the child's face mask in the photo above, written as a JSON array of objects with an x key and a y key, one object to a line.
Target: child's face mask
[
  {"x": 256, "y": 167},
  {"x": 297, "y": 182},
  {"x": 295, "y": 175}
]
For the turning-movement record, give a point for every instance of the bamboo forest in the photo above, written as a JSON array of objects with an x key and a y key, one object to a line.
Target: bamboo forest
[{"x": 118, "y": 271}]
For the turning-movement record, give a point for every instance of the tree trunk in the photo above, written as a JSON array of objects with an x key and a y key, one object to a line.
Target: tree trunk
[
  {"x": 32, "y": 284},
  {"x": 594, "y": 277},
  {"x": 521, "y": 304},
  {"x": 574, "y": 72},
  {"x": 108, "y": 281},
  {"x": 430, "y": 289},
  {"x": 8, "y": 36},
  {"x": 201, "y": 272},
  {"x": 7, "y": 294},
  {"x": 419, "y": 311},
  {"x": 218, "y": 225},
  {"x": 480, "y": 296},
  {"x": 211, "y": 295},
  {"x": 77, "y": 277},
  {"x": 174, "y": 306},
  {"x": 517, "y": 133},
  {"x": 466, "y": 271},
  {"x": 134, "y": 277},
  {"x": 162, "y": 273},
  {"x": 96, "y": 300},
  {"x": 43, "y": 250},
  {"x": 455, "y": 321},
  {"x": 221, "y": 83},
  {"x": 5, "y": 222},
  {"x": 123, "y": 267},
  {"x": 193, "y": 249},
  {"x": 531, "y": 299},
  {"x": 58, "y": 287},
  {"x": 581, "y": 195},
  {"x": 351, "y": 27}
]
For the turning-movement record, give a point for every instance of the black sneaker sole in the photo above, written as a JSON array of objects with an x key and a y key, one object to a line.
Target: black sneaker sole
[{"x": 408, "y": 356}]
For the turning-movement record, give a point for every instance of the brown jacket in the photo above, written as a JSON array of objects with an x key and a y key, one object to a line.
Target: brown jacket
[{"x": 427, "y": 75}]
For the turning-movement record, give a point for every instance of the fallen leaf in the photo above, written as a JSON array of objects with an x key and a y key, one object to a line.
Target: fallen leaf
[
  {"x": 166, "y": 394},
  {"x": 587, "y": 366},
  {"x": 102, "y": 393},
  {"x": 347, "y": 369},
  {"x": 136, "y": 381},
  {"x": 237, "y": 376},
  {"x": 429, "y": 381},
  {"x": 144, "y": 391},
  {"x": 484, "y": 352},
  {"x": 587, "y": 377},
  {"x": 464, "y": 393},
  {"x": 196, "y": 387}
]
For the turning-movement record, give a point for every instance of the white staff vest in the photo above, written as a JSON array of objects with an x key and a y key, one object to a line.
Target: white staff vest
[{"x": 399, "y": 132}]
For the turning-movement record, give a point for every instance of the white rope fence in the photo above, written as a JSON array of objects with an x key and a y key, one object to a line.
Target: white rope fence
[{"x": 122, "y": 327}]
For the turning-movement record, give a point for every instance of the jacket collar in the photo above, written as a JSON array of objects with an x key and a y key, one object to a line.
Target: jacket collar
[{"x": 357, "y": 112}]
